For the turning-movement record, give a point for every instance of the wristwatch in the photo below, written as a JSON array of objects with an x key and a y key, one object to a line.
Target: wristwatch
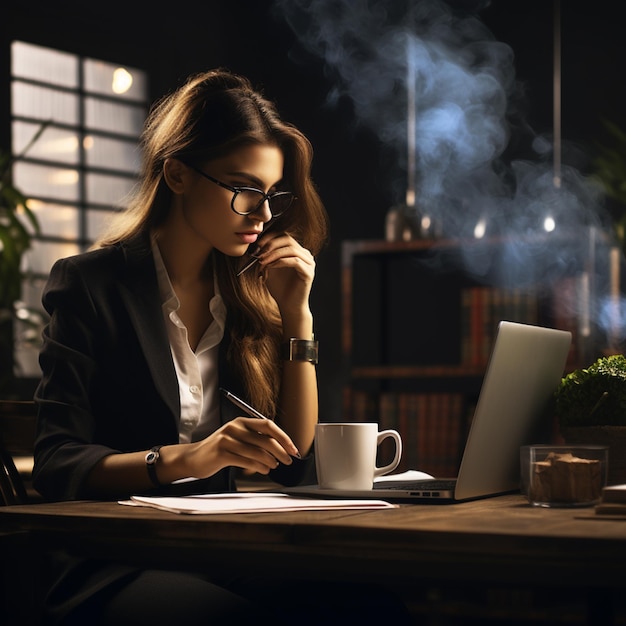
[{"x": 151, "y": 460}]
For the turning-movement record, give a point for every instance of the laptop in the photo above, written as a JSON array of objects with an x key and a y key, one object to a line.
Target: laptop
[{"x": 524, "y": 370}]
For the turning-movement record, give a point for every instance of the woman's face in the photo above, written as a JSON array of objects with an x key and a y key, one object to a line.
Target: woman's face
[{"x": 205, "y": 206}]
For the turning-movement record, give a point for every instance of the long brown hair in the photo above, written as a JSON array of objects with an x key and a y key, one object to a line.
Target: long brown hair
[{"x": 213, "y": 114}]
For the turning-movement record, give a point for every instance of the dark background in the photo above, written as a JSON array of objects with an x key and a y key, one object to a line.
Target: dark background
[{"x": 351, "y": 168}]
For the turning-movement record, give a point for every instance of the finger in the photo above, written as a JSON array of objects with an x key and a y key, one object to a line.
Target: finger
[
  {"x": 249, "y": 459},
  {"x": 276, "y": 438},
  {"x": 281, "y": 244},
  {"x": 255, "y": 456},
  {"x": 235, "y": 445},
  {"x": 269, "y": 242},
  {"x": 293, "y": 262},
  {"x": 256, "y": 438}
]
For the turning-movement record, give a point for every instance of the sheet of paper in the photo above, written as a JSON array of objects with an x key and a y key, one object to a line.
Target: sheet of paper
[
  {"x": 407, "y": 475},
  {"x": 242, "y": 502}
]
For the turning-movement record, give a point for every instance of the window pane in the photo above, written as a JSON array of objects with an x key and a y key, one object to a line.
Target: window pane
[
  {"x": 32, "y": 289},
  {"x": 111, "y": 153},
  {"x": 44, "y": 104},
  {"x": 123, "y": 119},
  {"x": 56, "y": 220},
  {"x": 99, "y": 131},
  {"x": 44, "y": 64},
  {"x": 47, "y": 182},
  {"x": 26, "y": 354},
  {"x": 97, "y": 220},
  {"x": 109, "y": 190},
  {"x": 29, "y": 324},
  {"x": 54, "y": 144},
  {"x": 42, "y": 255},
  {"x": 30, "y": 316},
  {"x": 114, "y": 80}
]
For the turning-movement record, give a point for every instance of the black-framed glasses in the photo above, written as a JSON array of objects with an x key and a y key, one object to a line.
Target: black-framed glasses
[{"x": 248, "y": 200}]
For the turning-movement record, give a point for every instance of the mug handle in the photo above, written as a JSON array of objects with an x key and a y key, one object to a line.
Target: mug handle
[{"x": 395, "y": 435}]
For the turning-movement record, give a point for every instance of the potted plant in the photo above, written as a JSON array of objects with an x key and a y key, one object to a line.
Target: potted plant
[
  {"x": 590, "y": 405},
  {"x": 18, "y": 224}
]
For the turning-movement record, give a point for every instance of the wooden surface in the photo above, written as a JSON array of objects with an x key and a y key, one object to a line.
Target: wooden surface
[
  {"x": 492, "y": 562},
  {"x": 500, "y": 540}
]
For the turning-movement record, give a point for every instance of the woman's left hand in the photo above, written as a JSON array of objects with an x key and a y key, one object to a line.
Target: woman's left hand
[{"x": 289, "y": 270}]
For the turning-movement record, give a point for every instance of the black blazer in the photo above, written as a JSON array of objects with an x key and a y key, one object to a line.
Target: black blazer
[{"x": 108, "y": 379}]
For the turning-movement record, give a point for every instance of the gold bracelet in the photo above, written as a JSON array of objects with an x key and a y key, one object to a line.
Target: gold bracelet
[{"x": 300, "y": 350}]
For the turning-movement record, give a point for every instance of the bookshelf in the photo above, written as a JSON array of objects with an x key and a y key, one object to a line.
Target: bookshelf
[{"x": 417, "y": 330}]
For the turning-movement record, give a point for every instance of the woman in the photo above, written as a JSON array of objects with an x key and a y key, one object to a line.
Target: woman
[{"x": 145, "y": 329}]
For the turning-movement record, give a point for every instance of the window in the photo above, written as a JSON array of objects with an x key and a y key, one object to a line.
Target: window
[{"x": 81, "y": 167}]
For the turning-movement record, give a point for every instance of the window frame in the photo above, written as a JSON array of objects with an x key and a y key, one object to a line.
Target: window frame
[{"x": 30, "y": 316}]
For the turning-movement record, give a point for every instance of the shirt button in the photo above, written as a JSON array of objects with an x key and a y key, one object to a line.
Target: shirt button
[{"x": 194, "y": 389}]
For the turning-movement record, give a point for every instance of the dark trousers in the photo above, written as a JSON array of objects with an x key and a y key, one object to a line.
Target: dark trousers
[{"x": 159, "y": 597}]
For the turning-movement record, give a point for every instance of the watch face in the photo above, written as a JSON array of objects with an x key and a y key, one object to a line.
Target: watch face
[{"x": 151, "y": 458}]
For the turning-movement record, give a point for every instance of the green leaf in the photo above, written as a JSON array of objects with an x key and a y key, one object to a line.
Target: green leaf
[{"x": 595, "y": 395}]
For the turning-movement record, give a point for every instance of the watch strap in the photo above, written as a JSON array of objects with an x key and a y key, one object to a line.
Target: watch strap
[{"x": 151, "y": 460}]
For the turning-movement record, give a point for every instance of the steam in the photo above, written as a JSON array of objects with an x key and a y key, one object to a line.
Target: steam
[{"x": 461, "y": 87}]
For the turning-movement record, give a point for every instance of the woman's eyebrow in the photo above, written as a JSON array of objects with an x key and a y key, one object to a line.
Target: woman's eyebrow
[{"x": 257, "y": 182}]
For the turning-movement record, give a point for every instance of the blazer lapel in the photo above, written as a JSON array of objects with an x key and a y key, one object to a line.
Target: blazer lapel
[{"x": 141, "y": 295}]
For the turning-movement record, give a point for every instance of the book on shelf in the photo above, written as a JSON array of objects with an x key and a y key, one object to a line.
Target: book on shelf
[
  {"x": 431, "y": 426},
  {"x": 567, "y": 310},
  {"x": 364, "y": 407},
  {"x": 482, "y": 308}
]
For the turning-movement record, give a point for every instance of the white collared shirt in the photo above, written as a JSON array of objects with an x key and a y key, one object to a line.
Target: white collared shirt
[{"x": 197, "y": 371}]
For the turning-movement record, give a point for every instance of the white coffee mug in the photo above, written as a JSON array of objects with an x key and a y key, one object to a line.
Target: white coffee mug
[{"x": 345, "y": 454}]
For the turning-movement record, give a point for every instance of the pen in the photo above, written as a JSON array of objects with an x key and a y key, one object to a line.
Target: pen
[
  {"x": 242, "y": 405},
  {"x": 245, "y": 268},
  {"x": 248, "y": 409}
]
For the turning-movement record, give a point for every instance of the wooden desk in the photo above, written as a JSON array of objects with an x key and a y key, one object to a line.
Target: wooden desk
[{"x": 496, "y": 542}]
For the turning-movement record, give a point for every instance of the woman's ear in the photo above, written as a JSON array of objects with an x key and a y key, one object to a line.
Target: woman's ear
[{"x": 174, "y": 172}]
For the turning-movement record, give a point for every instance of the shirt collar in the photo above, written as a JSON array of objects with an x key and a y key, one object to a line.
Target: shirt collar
[{"x": 169, "y": 299}]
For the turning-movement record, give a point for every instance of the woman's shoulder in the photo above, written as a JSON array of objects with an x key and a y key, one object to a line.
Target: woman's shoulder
[
  {"x": 100, "y": 273},
  {"x": 111, "y": 264},
  {"x": 107, "y": 257},
  {"x": 91, "y": 262}
]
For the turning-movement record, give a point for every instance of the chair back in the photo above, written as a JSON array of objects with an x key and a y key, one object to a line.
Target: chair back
[{"x": 17, "y": 437}]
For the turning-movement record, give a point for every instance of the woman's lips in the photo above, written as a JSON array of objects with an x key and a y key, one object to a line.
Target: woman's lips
[{"x": 248, "y": 238}]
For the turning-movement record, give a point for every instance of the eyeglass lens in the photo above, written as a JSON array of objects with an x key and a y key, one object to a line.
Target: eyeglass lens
[{"x": 248, "y": 201}]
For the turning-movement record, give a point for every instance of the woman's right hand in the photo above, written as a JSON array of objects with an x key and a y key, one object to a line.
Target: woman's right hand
[{"x": 253, "y": 444}]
